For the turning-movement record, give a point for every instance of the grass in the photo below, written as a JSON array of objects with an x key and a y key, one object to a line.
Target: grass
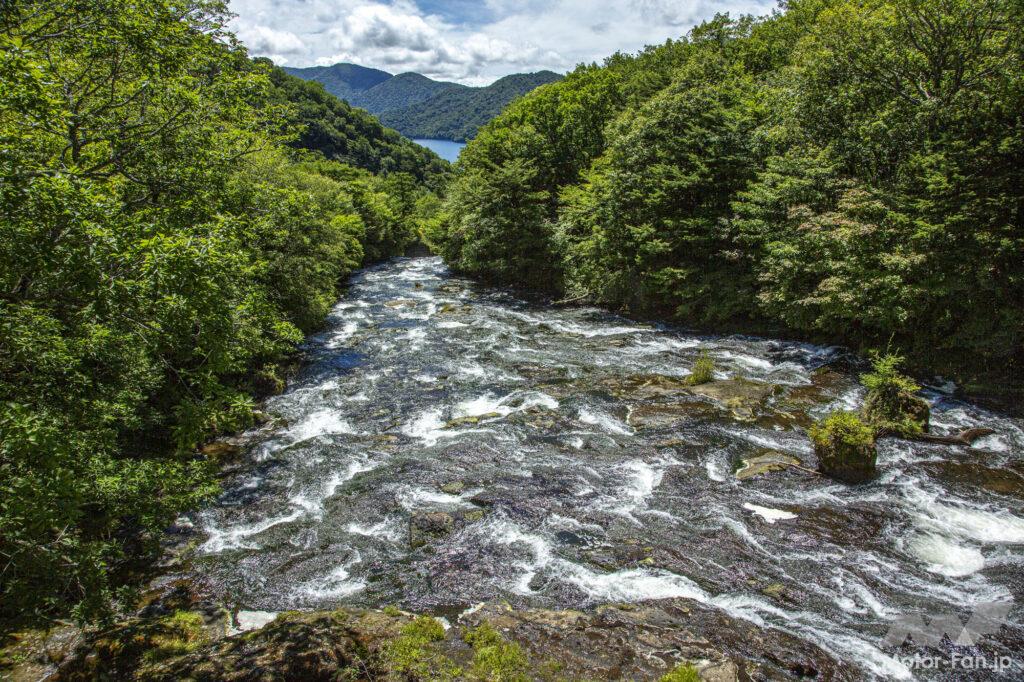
[
  {"x": 412, "y": 655},
  {"x": 494, "y": 658},
  {"x": 682, "y": 673}
]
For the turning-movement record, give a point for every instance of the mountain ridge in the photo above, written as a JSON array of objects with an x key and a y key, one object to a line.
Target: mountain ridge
[{"x": 418, "y": 106}]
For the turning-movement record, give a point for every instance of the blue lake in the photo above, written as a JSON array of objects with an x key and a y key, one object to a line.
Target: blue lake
[{"x": 446, "y": 149}]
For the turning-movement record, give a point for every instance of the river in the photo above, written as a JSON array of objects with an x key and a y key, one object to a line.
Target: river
[{"x": 554, "y": 440}]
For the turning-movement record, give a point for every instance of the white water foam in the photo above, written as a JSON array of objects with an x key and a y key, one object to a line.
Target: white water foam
[
  {"x": 768, "y": 514},
  {"x": 251, "y": 620},
  {"x": 604, "y": 421},
  {"x": 338, "y": 338},
  {"x": 390, "y": 529},
  {"x": 224, "y": 539},
  {"x": 945, "y": 556},
  {"x": 641, "y": 481},
  {"x": 320, "y": 423},
  {"x": 632, "y": 585},
  {"x": 488, "y": 403},
  {"x": 335, "y": 585}
]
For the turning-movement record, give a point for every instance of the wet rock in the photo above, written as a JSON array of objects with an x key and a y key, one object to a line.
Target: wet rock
[
  {"x": 646, "y": 386},
  {"x": 428, "y": 527},
  {"x": 469, "y": 421},
  {"x": 667, "y": 416},
  {"x": 221, "y": 451},
  {"x": 401, "y": 303},
  {"x": 847, "y": 462},
  {"x": 453, "y": 488},
  {"x": 736, "y": 392},
  {"x": 768, "y": 462},
  {"x": 645, "y": 641},
  {"x": 614, "y": 642},
  {"x": 1005, "y": 480},
  {"x": 32, "y": 655}
]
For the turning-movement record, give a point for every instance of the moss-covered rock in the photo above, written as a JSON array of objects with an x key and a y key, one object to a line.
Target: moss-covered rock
[
  {"x": 427, "y": 527},
  {"x": 845, "y": 447}
]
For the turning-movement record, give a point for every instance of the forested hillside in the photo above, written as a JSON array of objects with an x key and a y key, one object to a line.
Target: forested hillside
[
  {"x": 342, "y": 133},
  {"x": 457, "y": 114},
  {"x": 847, "y": 170},
  {"x": 344, "y": 81},
  {"x": 163, "y": 248},
  {"x": 417, "y": 106}
]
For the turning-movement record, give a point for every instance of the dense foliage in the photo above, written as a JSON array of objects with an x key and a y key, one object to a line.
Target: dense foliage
[
  {"x": 161, "y": 253},
  {"x": 418, "y": 106},
  {"x": 403, "y": 91},
  {"x": 848, "y": 170}
]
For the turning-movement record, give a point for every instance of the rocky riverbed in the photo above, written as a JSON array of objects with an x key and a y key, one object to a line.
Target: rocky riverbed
[{"x": 456, "y": 451}]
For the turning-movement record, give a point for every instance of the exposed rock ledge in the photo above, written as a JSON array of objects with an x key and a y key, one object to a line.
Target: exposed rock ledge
[{"x": 614, "y": 642}]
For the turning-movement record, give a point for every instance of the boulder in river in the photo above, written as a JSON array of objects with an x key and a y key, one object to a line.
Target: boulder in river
[
  {"x": 845, "y": 447},
  {"x": 425, "y": 527},
  {"x": 764, "y": 463},
  {"x": 735, "y": 391}
]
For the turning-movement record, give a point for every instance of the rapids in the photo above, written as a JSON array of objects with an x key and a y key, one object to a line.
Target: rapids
[{"x": 428, "y": 393}]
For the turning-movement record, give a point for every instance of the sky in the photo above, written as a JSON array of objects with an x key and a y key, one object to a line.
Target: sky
[{"x": 468, "y": 41}]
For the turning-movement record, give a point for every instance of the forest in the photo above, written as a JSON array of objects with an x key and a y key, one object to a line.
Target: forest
[
  {"x": 846, "y": 171},
  {"x": 174, "y": 217}
]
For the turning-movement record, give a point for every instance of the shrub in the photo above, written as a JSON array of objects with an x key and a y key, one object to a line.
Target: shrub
[
  {"x": 412, "y": 655},
  {"x": 703, "y": 370},
  {"x": 845, "y": 427},
  {"x": 891, "y": 405}
]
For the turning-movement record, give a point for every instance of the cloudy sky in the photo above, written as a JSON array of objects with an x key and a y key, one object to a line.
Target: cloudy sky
[{"x": 471, "y": 41}]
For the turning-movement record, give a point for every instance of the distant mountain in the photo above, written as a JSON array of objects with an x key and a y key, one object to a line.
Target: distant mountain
[
  {"x": 458, "y": 114},
  {"x": 343, "y": 133},
  {"x": 344, "y": 81},
  {"x": 417, "y": 106}
]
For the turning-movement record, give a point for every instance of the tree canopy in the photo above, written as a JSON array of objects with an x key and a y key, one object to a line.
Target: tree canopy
[
  {"x": 846, "y": 170},
  {"x": 162, "y": 252}
]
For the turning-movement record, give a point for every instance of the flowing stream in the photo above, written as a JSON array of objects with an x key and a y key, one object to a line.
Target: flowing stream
[{"x": 572, "y": 474}]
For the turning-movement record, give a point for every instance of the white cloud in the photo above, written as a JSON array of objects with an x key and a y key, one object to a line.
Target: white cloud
[{"x": 520, "y": 35}]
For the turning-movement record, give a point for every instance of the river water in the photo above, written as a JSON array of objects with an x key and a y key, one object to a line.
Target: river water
[{"x": 574, "y": 480}]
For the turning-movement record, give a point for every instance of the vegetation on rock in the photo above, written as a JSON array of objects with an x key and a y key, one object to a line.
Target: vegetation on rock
[
  {"x": 891, "y": 405},
  {"x": 703, "y": 370},
  {"x": 682, "y": 673},
  {"x": 845, "y": 447}
]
